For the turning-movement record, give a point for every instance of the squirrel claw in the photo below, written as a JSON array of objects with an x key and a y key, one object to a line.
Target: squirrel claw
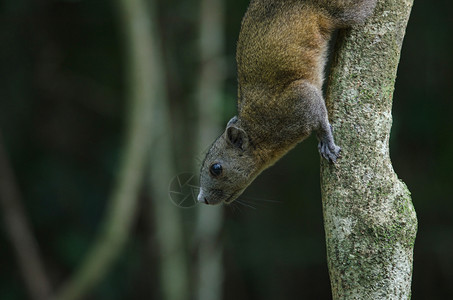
[{"x": 330, "y": 152}]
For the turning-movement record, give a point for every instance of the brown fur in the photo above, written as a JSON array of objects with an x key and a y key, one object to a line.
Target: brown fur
[{"x": 281, "y": 54}]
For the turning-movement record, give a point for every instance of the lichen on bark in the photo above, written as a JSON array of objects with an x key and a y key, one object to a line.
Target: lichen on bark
[{"x": 370, "y": 222}]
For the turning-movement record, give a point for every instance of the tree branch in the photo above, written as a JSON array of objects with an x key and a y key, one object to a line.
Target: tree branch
[
  {"x": 20, "y": 233},
  {"x": 122, "y": 206},
  {"x": 370, "y": 222},
  {"x": 210, "y": 83},
  {"x": 168, "y": 224}
]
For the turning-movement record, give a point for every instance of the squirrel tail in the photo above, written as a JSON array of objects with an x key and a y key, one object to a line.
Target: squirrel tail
[{"x": 347, "y": 12}]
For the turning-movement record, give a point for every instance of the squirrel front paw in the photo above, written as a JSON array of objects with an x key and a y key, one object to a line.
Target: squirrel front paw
[{"x": 329, "y": 151}]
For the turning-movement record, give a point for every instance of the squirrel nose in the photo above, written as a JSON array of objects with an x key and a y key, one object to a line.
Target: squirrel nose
[{"x": 201, "y": 198}]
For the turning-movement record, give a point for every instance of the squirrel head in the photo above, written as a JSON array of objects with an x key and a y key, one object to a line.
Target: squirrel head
[{"x": 228, "y": 168}]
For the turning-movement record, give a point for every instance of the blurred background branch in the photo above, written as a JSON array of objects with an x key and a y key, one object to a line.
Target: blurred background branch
[
  {"x": 20, "y": 233},
  {"x": 209, "y": 103},
  {"x": 169, "y": 239},
  {"x": 121, "y": 209}
]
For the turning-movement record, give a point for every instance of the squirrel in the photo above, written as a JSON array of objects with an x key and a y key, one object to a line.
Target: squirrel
[{"x": 281, "y": 54}]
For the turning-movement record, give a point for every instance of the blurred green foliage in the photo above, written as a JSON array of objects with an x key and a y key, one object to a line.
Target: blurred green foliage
[{"x": 62, "y": 115}]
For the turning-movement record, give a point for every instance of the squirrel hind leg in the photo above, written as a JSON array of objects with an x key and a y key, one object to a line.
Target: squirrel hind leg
[{"x": 349, "y": 12}]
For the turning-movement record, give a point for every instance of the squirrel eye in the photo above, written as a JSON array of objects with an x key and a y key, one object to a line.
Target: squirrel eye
[{"x": 216, "y": 169}]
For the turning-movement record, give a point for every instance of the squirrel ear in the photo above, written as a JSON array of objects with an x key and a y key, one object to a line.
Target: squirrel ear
[
  {"x": 232, "y": 121},
  {"x": 237, "y": 137}
]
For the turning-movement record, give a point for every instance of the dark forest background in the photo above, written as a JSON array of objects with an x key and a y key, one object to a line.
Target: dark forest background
[{"x": 62, "y": 123}]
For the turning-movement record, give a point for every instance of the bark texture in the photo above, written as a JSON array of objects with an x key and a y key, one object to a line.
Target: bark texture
[{"x": 369, "y": 219}]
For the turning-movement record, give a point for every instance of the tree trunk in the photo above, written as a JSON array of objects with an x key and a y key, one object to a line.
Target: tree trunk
[{"x": 369, "y": 219}]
